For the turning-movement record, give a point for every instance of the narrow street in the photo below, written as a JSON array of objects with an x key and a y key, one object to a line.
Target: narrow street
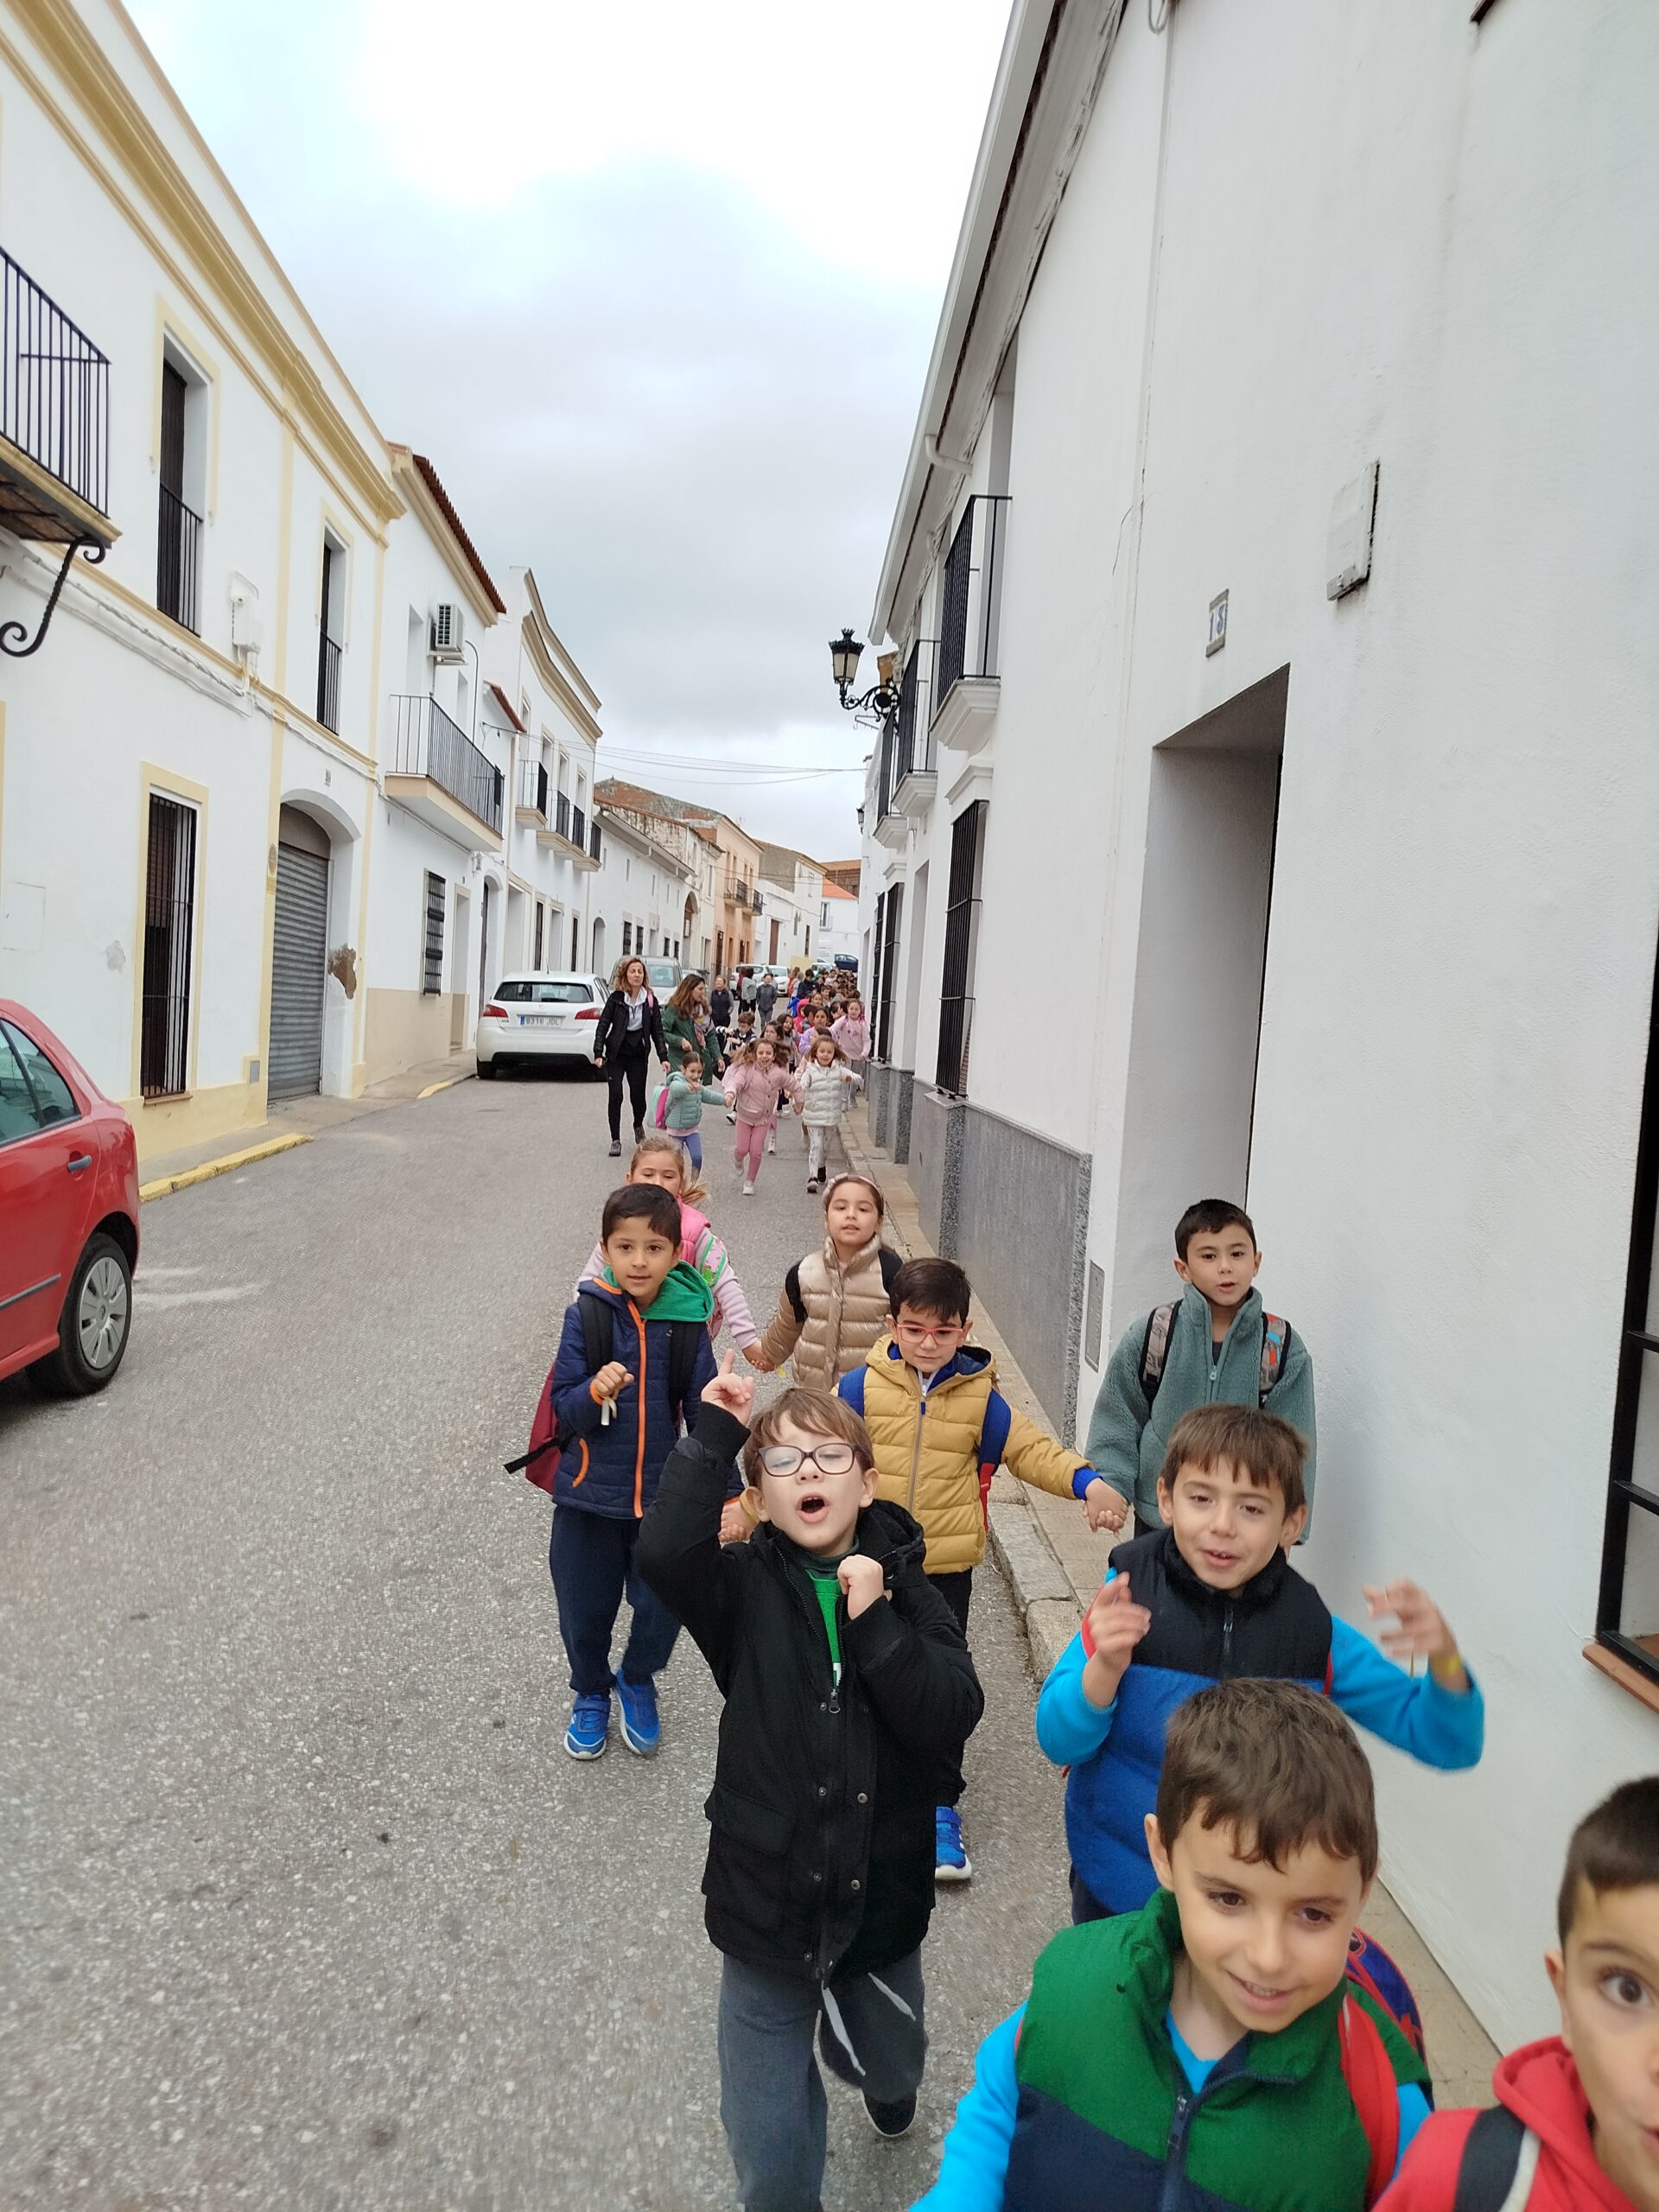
[{"x": 302, "y": 1904}]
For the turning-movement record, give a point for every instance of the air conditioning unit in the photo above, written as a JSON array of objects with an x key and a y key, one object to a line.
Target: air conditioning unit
[{"x": 445, "y": 629}]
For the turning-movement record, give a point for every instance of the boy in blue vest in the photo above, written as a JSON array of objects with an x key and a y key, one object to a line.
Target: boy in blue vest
[
  {"x": 1209, "y": 2049},
  {"x": 617, "y": 1421},
  {"x": 1217, "y": 1344},
  {"x": 1213, "y": 1595}
]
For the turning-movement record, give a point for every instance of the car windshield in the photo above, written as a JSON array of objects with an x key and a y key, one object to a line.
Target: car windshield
[
  {"x": 663, "y": 973},
  {"x": 536, "y": 990}
]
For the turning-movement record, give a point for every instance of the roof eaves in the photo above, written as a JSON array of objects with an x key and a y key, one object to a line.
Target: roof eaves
[{"x": 457, "y": 530}]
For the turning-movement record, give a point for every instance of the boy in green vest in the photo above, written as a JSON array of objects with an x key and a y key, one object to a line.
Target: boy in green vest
[{"x": 1210, "y": 2048}]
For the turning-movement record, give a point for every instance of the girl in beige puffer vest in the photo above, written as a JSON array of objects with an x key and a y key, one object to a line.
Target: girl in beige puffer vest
[{"x": 833, "y": 1303}]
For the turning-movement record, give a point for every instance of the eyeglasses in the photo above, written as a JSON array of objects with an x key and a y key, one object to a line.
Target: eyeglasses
[
  {"x": 917, "y": 1332},
  {"x": 828, "y": 1459}
]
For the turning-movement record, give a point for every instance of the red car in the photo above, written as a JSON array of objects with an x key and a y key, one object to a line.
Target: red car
[{"x": 68, "y": 1213}]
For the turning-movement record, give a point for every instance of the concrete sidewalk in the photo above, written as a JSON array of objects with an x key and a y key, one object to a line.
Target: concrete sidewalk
[
  {"x": 295, "y": 1122},
  {"x": 1054, "y": 1563}
]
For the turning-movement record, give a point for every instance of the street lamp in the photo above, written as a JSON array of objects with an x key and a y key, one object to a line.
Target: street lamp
[{"x": 881, "y": 696}]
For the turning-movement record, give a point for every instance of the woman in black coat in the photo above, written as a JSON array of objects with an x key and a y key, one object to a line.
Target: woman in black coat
[{"x": 630, "y": 1028}]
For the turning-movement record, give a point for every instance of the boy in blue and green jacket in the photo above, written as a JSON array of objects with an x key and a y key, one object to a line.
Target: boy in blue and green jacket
[
  {"x": 1210, "y": 2049},
  {"x": 1218, "y": 1345}
]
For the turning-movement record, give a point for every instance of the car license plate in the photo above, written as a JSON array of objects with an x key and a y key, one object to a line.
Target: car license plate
[{"x": 541, "y": 1020}]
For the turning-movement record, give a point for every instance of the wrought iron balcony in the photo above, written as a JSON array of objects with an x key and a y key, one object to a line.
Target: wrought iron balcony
[
  {"x": 593, "y": 843},
  {"x": 178, "y": 548},
  {"x": 579, "y": 827},
  {"x": 964, "y": 694},
  {"x": 55, "y": 435},
  {"x": 328, "y": 655},
  {"x": 426, "y": 745},
  {"x": 915, "y": 765},
  {"x": 561, "y": 818},
  {"x": 532, "y": 789}
]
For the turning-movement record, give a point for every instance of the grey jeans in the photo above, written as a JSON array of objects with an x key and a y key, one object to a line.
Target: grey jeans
[{"x": 771, "y": 2100}]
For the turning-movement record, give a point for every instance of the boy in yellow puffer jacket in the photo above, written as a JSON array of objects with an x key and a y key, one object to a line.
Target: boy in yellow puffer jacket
[{"x": 941, "y": 1428}]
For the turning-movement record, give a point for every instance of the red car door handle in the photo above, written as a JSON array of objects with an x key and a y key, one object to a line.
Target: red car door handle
[{"x": 78, "y": 1161}]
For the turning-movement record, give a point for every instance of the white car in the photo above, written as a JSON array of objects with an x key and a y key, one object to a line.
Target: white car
[{"x": 538, "y": 1016}]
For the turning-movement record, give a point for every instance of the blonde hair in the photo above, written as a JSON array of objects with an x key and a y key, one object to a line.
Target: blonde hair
[{"x": 691, "y": 1192}]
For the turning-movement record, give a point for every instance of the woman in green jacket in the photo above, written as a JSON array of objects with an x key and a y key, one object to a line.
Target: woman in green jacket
[{"x": 686, "y": 1025}]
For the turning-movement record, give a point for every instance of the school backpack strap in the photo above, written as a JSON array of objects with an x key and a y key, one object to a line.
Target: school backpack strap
[
  {"x": 1370, "y": 1968},
  {"x": 1368, "y": 2071},
  {"x": 1500, "y": 2156},
  {"x": 1275, "y": 1350},
  {"x": 993, "y": 1443},
  {"x": 685, "y": 1340},
  {"x": 1154, "y": 1348}
]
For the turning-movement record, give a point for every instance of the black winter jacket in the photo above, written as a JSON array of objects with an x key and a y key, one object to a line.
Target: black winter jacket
[
  {"x": 821, "y": 1854},
  {"x": 612, "y": 1031}
]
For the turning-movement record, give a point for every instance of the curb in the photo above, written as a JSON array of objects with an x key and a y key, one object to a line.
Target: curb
[
  {"x": 168, "y": 1183},
  {"x": 449, "y": 1084},
  {"x": 1043, "y": 1596}
]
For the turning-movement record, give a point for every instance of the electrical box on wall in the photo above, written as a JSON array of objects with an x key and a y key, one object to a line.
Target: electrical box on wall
[
  {"x": 1353, "y": 524},
  {"x": 247, "y": 623}
]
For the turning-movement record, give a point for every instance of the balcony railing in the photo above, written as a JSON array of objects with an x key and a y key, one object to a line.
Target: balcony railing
[
  {"x": 592, "y": 843},
  {"x": 178, "y": 547},
  {"x": 971, "y": 606},
  {"x": 913, "y": 735},
  {"x": 579, "y": 827},
  {"x": 533, "y": 786},
  {"x": 426, "y": 742},
  {"x": 561, "y": 818},
  {"x": 55, "y": 389},
  {"x": 328, "y": 682}
]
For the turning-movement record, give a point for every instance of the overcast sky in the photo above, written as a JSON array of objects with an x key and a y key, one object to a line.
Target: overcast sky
[{"x": 655, "y": 288}]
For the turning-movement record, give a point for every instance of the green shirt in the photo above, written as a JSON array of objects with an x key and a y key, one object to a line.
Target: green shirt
[{"x": 826, "y": 1588}]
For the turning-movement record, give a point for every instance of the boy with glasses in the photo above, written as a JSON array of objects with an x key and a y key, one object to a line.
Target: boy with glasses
[
  {"x": 849, "y": 1696},
  {"x": 941, "y": 1427}
]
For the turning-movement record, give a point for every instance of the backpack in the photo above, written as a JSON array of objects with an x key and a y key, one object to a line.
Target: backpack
[
  {"x": 659, "y": 1112},
  {"x": 1155, "y": 1350},
  {"x": 1500, "y": 2158},
  {"x": 540, "y": 1464},
  {"x": 1366, "y": 2067}
]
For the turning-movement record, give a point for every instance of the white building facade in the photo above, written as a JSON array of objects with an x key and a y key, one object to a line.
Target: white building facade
[{"x": 1269, "y": 808}]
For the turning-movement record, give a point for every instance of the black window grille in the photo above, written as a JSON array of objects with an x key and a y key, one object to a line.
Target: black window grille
[
  {"x": 536, "y": 961},
  {"x": 1627, "y": 1614},
  {"x": 961, "y": 943},
  {"x": 913, "y": 752},
  {"x": 178, "y": 530},
  {"x": 628, "y": 938},
  {"x": 54, "y": 388},
  {"x": 889, "y": 917},
  {"x": 169, "y": 916},
  {"x": 970, "y": 601},
  {"x": 432, "y": 967},
  {"x": 327, "y": 650}
]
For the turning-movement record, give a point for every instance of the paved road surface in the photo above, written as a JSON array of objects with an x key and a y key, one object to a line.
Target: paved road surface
[{"x": 302, "y": 1904}]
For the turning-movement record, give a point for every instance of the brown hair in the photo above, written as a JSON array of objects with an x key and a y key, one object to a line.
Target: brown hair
[
  {"x": 1615, "y": 1847},
  {"x": 619, "y": 973},
  {"x": 1278, "y": 1765},
  {"x": 839, "y": 1182},
  {"x": 938, "y": 1289},
  {"x": 819, "y": 1413},
  {"x": 648, "y": 1202},
  {"x": 1269, "y": 1450},
  {"x": 685, "y": 991}
]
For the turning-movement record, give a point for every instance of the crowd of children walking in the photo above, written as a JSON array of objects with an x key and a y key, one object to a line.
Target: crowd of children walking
[{"x": 1211, "y": 2032}]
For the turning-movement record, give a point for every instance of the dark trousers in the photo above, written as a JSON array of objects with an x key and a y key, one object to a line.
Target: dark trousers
[
  {"x": 771, "y": 2095},
  {"x": 1085, "y": 1905},
  {"x": 590, "y": 1557},
  {"x": 632, "y": 1064},
  {"x": 957, "y": 1590}
]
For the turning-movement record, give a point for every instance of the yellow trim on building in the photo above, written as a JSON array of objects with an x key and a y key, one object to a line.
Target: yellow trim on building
[{"x": 112, "y": 111}]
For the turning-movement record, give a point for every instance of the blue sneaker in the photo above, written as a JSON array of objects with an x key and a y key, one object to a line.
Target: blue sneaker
[
  {"x": 590, "y": 1724},
  {"x": 950, "y": 1862},
  {"x": 642, "y": 1731}
]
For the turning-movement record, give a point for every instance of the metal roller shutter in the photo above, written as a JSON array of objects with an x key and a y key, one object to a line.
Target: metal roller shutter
[{"x": 301, "y": 949}]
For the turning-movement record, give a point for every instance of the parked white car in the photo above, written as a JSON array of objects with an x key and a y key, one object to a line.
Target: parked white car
[{"x": 536, "y": 1015}]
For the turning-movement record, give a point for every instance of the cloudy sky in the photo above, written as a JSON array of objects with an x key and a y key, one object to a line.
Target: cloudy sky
[{"x": 655, "y": 288}]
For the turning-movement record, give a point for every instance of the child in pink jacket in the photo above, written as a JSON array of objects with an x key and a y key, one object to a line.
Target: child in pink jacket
[{"x": 755, "y": 1086}]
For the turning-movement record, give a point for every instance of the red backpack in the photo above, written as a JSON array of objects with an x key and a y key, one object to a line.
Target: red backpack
[
  {"x": 1366, "y": 2066},
  {"x": 540, "y": 1464}
]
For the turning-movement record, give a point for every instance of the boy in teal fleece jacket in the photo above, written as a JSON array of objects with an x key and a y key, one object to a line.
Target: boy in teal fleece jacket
[{"x": 1215, "y": 1354}]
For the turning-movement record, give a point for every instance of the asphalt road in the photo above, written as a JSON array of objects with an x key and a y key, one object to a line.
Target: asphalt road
[{"x": 301, "y": 1904}]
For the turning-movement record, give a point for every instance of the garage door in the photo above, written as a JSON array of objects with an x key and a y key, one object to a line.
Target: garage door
[{"x": 302, "y": 947}]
